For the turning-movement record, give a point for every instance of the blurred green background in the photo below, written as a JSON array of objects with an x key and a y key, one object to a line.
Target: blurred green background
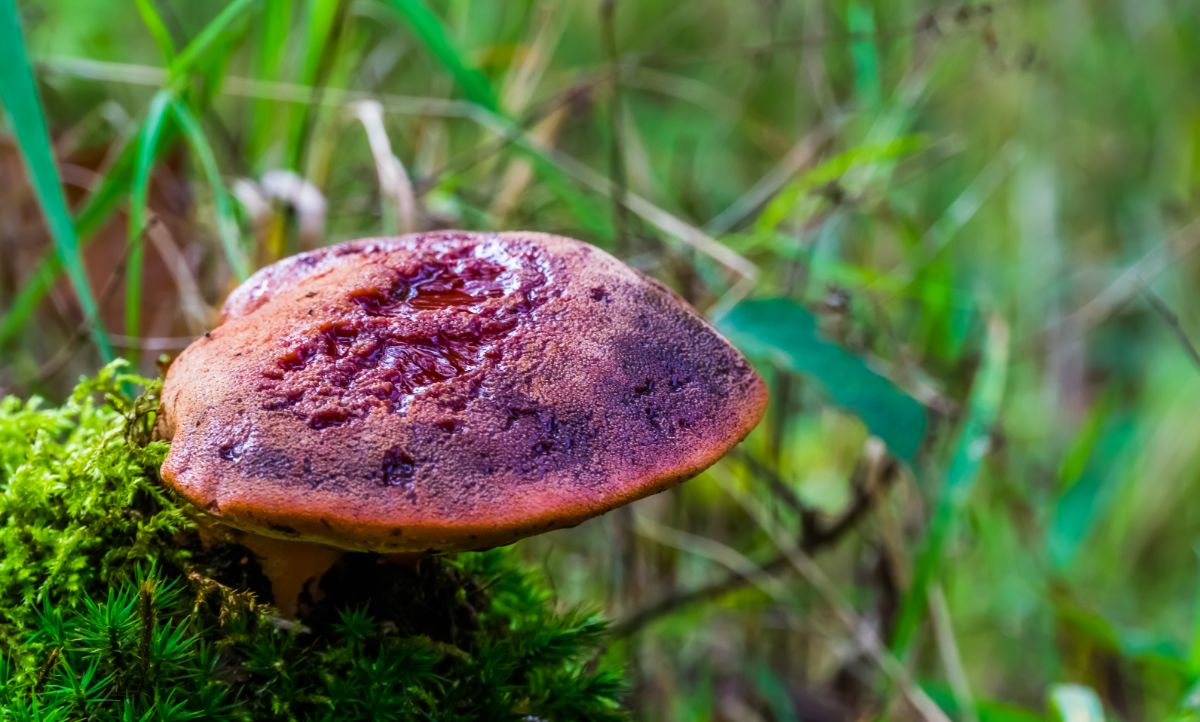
[{"x": 957, "y": 239}]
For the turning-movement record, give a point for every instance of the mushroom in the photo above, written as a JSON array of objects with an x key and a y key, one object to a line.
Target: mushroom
[{"x": 440, "y": 392}]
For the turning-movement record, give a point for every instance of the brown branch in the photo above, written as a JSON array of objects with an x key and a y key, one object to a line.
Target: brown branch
[
  {"x": 778, "y": 485},
  {"x": 813, "y": 539}
]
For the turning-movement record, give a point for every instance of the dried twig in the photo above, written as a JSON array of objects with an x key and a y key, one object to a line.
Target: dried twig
[
  {"x": 1172, "y": 321},
  {"x": 196, "y": 312},
  {"x": 801, "y": 155},
  {"x": 394, "y": 182},
  {"x": 814, "y": 539},
  {"x": 56, "y": 363},
  {"x": 1132, "y": 280},
  {"x": 943, "y": 632},
  {"x": 866, "y": 637}
]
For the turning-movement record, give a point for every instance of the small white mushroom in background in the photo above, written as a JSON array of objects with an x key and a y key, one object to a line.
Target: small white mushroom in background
[{"x": 283, "y": 189}]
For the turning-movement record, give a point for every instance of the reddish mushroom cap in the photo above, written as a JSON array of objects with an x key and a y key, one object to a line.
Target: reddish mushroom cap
[{"x": 448, "y": 391}]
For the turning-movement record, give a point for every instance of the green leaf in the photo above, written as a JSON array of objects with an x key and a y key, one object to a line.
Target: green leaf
[
  {"x": 19, "y": 96},
  {"x": 969, "y": 451},
  {"x": 432, "y": 34},
  {"x": 786, "y": 333},
  {"x": 1075, "y": 703}
]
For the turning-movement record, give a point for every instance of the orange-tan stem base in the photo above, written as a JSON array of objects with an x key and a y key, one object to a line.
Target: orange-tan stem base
[
  {"x": 288, "y": 565},
  {"x": 291, "y": 566}
]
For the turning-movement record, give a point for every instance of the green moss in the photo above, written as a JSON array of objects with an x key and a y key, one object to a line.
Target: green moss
[{"x": 111, "y": 609}]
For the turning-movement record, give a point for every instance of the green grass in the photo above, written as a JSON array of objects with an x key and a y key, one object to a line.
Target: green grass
[
  {"x": 157, "y": 27},
  {"x": 226, "y": 223},
  {"x": 429, "y": 28},
  {"x": 970, "y": 448},
  {"x": 137, "y": 227},
  {"x": 23, "y": 109},
  {"x": 861, "y": 192},
  {"x": 104, "y": 199}
]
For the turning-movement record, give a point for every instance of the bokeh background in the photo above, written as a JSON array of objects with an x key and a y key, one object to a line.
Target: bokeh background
[{"x": 958, "y": 239}]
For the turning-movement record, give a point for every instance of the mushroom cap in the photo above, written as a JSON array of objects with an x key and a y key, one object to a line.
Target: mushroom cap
[{"x": 448, "y": 391}]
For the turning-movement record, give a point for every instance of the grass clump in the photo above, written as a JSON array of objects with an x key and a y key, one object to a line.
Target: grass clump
[{"x": 110, "y": 608}]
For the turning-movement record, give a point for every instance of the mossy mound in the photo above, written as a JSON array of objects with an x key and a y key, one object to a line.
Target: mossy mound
[{"x": 110, "y": 609}]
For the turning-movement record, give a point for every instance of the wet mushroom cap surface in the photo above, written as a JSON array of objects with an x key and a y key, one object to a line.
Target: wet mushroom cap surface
[{"x": 446, "y": 391}]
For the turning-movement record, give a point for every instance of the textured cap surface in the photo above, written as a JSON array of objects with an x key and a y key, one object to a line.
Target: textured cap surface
[{"x": 448, "y": 391}]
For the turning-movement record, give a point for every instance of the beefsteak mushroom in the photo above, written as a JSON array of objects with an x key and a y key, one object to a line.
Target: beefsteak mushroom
[{"x": 443, "y": 391}]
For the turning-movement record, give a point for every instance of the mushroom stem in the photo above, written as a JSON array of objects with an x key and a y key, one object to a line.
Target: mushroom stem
[{"x": 290, "y": 566}]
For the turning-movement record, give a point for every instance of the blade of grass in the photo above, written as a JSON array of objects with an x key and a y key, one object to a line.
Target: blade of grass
[
  {"x": 19, "y": 96},
  {"x": 1083, "y": 500},
  {"x": 432, "y": 34},
  {"x": 217, "y": 31},
  {"x": 147, "y": 149},
  {"x": 775, "y": 212},
  {"x": 969, "y": 451},
  {"x": 100, "y": 204},
  {"x": 320, "y": 22},
  {"x": 892, "y": 121},
  {"x": 985, "y": 710},
  {"x": 96, "y": 209},
  {"x": 616, "y": 141},
  {"x": 962, "y": 210},
  {"x": 227, "y": 228},
  {"x": 272, "y": 47},
  {"x": 956, "y": 674},
  {"x": 239, "y": 86},
  {"x": 860, "y": 20},
  {"x": 326, "y": 113},
  {"x": 158, "y": 29},
  {"x": 1194, "y": 647},
  {"x": 570, "y": 168}
]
